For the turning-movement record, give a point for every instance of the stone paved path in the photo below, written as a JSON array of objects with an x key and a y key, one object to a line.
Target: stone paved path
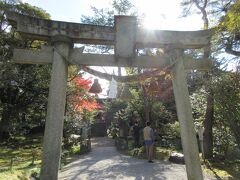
[{"x": 104, "y": 162}]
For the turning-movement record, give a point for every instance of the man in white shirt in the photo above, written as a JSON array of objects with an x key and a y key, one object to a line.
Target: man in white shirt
[{"x": 148, "y": 135}]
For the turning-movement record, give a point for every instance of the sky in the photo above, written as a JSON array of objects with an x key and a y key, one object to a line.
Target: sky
[{"x": 160, "y": 14}]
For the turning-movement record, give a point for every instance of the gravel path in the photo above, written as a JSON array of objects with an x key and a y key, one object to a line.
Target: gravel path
[{"x": 105, "y": 162}]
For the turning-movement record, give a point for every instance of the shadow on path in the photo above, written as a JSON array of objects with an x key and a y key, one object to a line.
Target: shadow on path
[{"x": 105, "y": 162}]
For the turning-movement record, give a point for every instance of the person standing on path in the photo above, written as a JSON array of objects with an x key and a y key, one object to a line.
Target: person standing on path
[
  {"x": 136, "y": 134},
  {"x": 148, "y": 135}
]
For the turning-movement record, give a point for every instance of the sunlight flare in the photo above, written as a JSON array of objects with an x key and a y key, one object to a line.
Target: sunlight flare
[{"x": 156, "y": 13}]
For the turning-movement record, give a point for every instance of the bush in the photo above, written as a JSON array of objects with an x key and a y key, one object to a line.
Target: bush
[
  {"x": 170, "y": 130},
  {"x": 137, "y": 152},
  {"x": 75, "y": 149},
  {"x": 162, "y": 153},
  {"x": 113, "y": 131}
]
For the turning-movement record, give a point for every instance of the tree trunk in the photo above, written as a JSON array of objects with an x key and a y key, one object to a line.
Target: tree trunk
[
  {"x": 146, "y": 109},
  {"x": 209, "y": 116},
  {"x": 5, "y": 123},
  {"x": 208, "y": 125},
  {"x": 236, "y": 135},
  {"x": 233, "y": 124},
  {"x": 146, "y": 105}
]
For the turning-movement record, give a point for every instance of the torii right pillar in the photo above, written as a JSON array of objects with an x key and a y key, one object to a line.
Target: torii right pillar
[{"x": 184, "y": 112}]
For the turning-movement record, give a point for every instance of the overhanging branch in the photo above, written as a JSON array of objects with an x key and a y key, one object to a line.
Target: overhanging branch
[{"x": 130, "y": 78}]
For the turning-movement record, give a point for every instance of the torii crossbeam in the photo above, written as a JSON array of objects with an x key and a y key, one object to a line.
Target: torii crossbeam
[{"x": 126, "y": 38}]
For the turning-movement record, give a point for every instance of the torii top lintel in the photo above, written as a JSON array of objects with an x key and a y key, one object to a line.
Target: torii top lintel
[{"x": 42, "y": 29}]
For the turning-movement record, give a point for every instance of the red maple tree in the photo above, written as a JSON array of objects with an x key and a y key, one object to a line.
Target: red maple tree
[{"x": 80, "y": 99}]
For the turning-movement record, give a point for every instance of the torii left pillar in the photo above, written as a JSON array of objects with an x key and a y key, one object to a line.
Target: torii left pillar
[{"x": 55, "y": 110}]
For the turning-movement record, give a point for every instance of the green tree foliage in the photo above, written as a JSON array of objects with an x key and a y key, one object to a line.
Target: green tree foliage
[
  {"x": 123, "y": 7},
  {"x": 123, "y": 114},
  {"x": 81, "y": 106},
  {"x": 105, "y": 17},
  {"x": 159, "y": 110},
  {"x": 227, "y": 94},
  {"x": 112, "y": 107},
  {"x": 224, "y": 15},
  {"x": 198, "y": 102},
  {"x": 23, "y": 88},
  {"x": 201, "y": 7},
  {"x": 23, "y": 8},
  {"x": 115, "y": 113},
  {"x": 229, "y": 29},
  {"x": 231, "y": 21}
]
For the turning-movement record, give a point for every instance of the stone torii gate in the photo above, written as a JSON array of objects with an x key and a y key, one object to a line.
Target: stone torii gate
[{"x": 126, "y": 38}]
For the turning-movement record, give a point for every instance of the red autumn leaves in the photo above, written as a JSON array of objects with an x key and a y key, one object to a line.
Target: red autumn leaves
[{"x": 80, "y": 99}]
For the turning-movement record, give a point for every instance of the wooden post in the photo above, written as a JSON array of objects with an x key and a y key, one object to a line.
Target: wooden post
[
  {"x": 55, "y": 111},
  {"x": 184, "y": 111}
]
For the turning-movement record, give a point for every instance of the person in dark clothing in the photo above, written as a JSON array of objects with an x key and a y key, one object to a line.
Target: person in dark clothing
[{"x": 136, "y": 134}]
